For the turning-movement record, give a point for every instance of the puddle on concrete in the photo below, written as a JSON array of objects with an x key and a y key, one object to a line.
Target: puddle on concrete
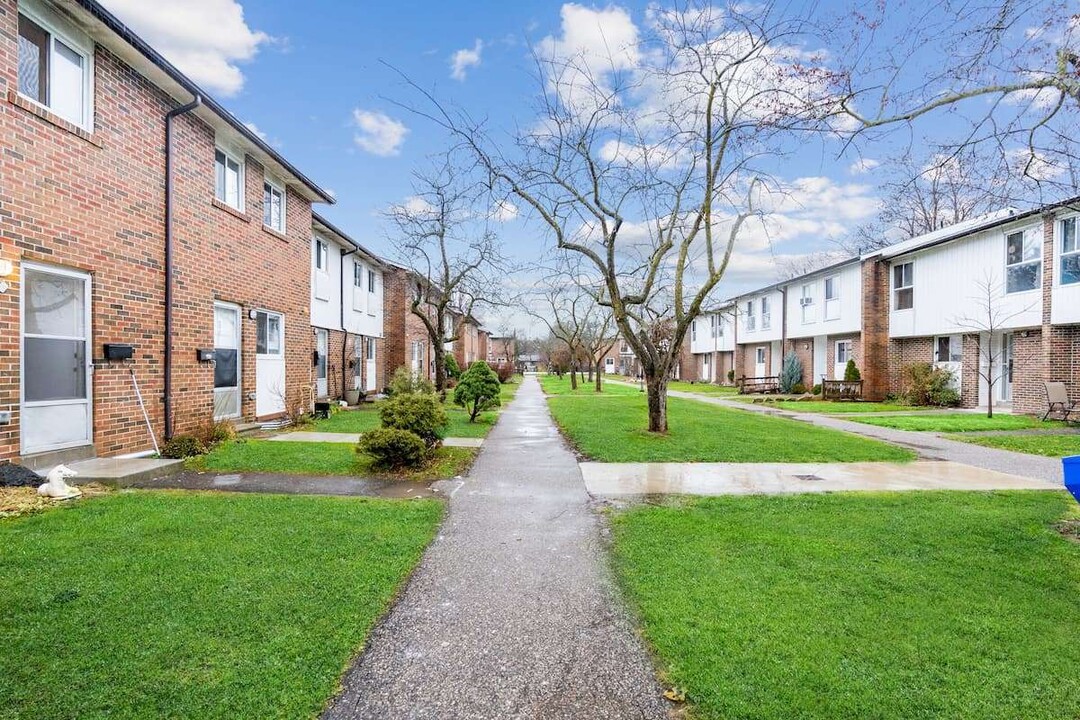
[{"x": 293, "y": 485}]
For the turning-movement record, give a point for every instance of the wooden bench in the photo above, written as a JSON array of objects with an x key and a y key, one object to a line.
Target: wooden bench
[
  {"x": 754, "y": 385},
  {"x": 841, "y": 389}
]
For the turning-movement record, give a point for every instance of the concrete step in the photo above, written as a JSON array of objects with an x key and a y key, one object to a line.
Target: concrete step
[
  {"x": 41, "y": 463},
  {"x": 123, "y": 472}
]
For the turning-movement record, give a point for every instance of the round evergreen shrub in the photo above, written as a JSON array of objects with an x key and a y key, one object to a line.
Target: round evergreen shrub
[
  {"x": 393, "y": 448},
  {"x": 419, "y": 413},
  {"x": 478, "y": 389}
]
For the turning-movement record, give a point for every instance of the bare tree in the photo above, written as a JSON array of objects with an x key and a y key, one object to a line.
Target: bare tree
[
  {"x": 649, "y": 162},
  {"x": 567, "y": 310},
  {"x": 597, "y": 339},
  {"x": 991, "y": 315},
  {"x": 455, "y": 263}
]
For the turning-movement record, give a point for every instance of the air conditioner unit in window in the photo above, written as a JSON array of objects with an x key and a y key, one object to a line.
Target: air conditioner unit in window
[{"x": 803, "y": 302}]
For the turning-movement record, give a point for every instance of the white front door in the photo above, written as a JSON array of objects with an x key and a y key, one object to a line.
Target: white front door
[
  {"x": 322, "y": 349},
  {"x": 227, "y": 365},
  {"x": 57, "y": 409},
  {"x": 269, "y": 363},
  {"x": 417, "y": 357},
  {"x": 609, "y": 365},
  {"x": 370, "y": 370},
  {"x": 821, "y": 359},
  {"x": 949, "y": 355},
  {"x": 843, "y": 354},
  {"x": 1006, "y": 367},
  {"x": 759, "y": 362}
]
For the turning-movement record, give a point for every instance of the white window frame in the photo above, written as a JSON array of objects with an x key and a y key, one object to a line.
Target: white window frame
[
  {"x": 751, "y": 318},
  {"x": 848, "y": 352},
  {"x": 693, "y": 331},
  {"x": 759, "y": 356},
  {"x": 766, "y": 313},
  {"x": 222, "y": 194},
  {"x": 897, "y": 289},
  {"x": 1037, "y": 262},
  {"x": 273, "y": 185},
  {"x": 832, "y": 304},
  {"x": 956, "y": 349},
  {"x": 74, "y": 40},
  {"x": 713, "y": 323},
  {"x": 371, "y": 281},
  {"x": 358, "y": 275},
  {"x": 322, "y": 255},
  {"x": 1063, "y": 253}
]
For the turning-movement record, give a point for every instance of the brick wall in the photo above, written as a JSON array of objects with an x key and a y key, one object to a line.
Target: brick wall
[
  {"x": 873, "y": 356},
  {"x": 830, "y": 353},
  {"x": 904, "y": 351},
  {"x": 970, "y": 378},
  {"x": 401, "y": 327},
  {"x": 804, "y": 350},
  {"x": 95, "y": 203}
]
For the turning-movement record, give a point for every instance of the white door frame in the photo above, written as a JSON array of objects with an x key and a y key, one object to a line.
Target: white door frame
[
  {"x": 370, "y": 365},
  {"x": 322, "y": 347},
  {"x": 88, "y": 333},
  {"x": 1006, "y": 357},
  {"x": 263, "y": 359},
  {"x": 838, "y": 366},
  {"x": 761, "y": 366},
  {"x": 232, "y": 307}
]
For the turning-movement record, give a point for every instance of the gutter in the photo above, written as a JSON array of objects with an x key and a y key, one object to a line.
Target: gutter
[{"x": 174, "y": 113}]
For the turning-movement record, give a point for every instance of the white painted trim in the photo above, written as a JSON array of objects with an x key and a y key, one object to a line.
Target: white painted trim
[{"x": 82, "y": 44}]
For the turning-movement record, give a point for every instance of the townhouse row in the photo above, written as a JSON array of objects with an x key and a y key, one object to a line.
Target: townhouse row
[
  {"x": 152, "y": 245},
  {"x": 996, "y": 300}
]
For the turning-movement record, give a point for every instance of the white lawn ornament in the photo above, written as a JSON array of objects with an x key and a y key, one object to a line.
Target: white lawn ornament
[{"x": 56, "y": 487}]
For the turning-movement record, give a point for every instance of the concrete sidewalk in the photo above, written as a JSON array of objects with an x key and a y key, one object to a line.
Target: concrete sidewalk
[
  {"x": 636, "y": 479},
  {"x": 512, "y": 613}
]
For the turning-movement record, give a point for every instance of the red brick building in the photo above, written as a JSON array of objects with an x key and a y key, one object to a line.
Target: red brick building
[
  {"x": 83, "y": 245},
  {"x": 406, "y": 337}
]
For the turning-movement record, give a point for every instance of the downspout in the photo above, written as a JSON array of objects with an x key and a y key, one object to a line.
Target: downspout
[
  {"x": 169, "y": 116},
  {"x": 341, "y": 307}
]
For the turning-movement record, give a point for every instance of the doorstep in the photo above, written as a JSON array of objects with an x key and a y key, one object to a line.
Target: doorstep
[{"x": 123, "y": 472}]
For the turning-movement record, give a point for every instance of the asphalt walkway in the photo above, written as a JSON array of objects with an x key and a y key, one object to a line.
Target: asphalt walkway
[{"x": 512, "y": 612}]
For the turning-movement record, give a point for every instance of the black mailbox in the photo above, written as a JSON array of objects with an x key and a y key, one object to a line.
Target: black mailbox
[
  {"x": 119, "y": 351},
  {"x": 205, "y": 355}
]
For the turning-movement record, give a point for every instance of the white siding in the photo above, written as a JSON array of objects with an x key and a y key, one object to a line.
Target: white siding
[
  {"x": 702, "y": 340},
  {"x": 844, "y": 314},
  {"x": 1064, "y": 299},
  {"x": 760, "y": 334},
  {"x": 946, "y": 287},
  {"x": 363, "y": 310}
]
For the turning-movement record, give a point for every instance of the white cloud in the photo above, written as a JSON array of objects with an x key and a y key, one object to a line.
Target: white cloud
[
  {"x": 862, "y": 166},
  {"x": 505, "y": 211},
  {"x": 378, "y": 133},
  {"x": 206, "y": 39},
  {"x": 464, "y": 59}
]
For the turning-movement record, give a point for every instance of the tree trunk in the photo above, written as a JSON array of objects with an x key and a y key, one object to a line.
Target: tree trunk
[
  {"x": 599, "y": 386},
  {"x": 573, "y": 377},
  {"x": 989, "y": 388},
  {"x": 656, "y": 390},
  {"x": 440, "y": 369},
  {"x": 590, "y": 371}
]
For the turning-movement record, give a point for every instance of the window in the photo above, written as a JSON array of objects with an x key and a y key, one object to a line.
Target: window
[
  {"x": 267, "y": 333},
  {"x": 371, "y": 281},
  {"x": 228, "y": 179},
  {"x": 1023, "y": 261},
  {"x": 358, "y": 275},
  {"x": 751, "y": 320},
  {"x": 371, "y": 348},
  {"x": 766, "y": 316},
  {"x": 54, "y": 71},
  {"x": 949, "y": 348},
  {"x": 832, "y": 298},
  {"x": 321, "y": 251},
  {"x": 904, "y": 286},
  {"x": 843, "y": 352},
  {"x": 1070, "y": 253},
  {"x": 273, "y": 206},
  {"x": 760, "y": 356},
  {"x": 713, "y": 325},
  {"x": 693, "y": 331}
]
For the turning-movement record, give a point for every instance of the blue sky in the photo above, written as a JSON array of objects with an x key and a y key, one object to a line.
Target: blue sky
[{"x": 310, "y": 77}]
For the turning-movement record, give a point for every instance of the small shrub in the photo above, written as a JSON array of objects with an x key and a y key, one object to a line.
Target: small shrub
[
  {"x": 851, "y": 372},
  {"x": 798, "y": 389},
  {"x": 478, "y": 389},
  {"x": 393, "y": 448},
  {"x": 731, "y": 376},
  {"x": 505, "y": 372},
  {"x": 926, "y": 384},
  {"x": 790, "y": 373},
  {"x": 212, "y": 433},
  {"x": 182, "y": 446},
  {"x": 404, "y": 382},
  {"x": 453, "y": 371},
  {"x": 816, "y": 390},
  {"x": 420, "y": 413}
]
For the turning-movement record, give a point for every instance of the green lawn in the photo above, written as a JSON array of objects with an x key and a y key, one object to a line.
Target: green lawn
[
  {"x": 196, "y": 605},
  {"x": 553, "y": 385},
  {"x": 958, "y": 422},
  {"x": 702, "y": 388},
  {"x": 612, "y": 429},
  {"x": 367, "y": 418},
  {"x": 317, "y": 458},
  {"x": 1049, "y": 445},
  {"x": 890, "y": 606},
  {"x": 831, "y": 407},
  {"x": 507, "y": 391}
]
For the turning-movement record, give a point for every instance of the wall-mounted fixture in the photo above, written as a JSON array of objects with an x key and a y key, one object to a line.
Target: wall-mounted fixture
[
  {"x": 6, "y": 268},
  {"x": 5, "y": 417},
  {"x": 205, "y": 354},
  {"x": 119, "y": 351},
  {"x": 253, "y": 314}
]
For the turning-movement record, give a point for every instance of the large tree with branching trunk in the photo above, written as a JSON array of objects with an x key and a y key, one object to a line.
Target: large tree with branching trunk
[{"x": 648, "y": 162}]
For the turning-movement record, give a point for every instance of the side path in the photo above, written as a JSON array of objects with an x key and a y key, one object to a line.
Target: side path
[
  {"x": 512, "y": 613},
  {"x": 929, "y": 446}
]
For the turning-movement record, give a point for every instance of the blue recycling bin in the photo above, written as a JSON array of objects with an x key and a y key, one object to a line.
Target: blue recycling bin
[{"x": 1072, "y": 475}]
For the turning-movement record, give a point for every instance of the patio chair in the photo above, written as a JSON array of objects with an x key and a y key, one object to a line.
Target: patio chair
[{"x": 1057, "y": 398}]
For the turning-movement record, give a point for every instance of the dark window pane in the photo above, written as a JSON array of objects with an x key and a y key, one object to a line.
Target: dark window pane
[
  {"x": 33, "y": 60},
  {"x": 1070, "y": 269},
  {"x": 905, "y": 299},
  {"x": 55, "y": 369},
  {"x": 260, "y": 334},
  {"x": 224, "y": 368},
  {"x": 1022, "y": 277}
]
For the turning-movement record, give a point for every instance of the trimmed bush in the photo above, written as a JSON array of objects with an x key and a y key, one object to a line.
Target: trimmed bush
[
  {"x": 505, "y": 371},
  {"x": 404, "y": 382},
  {"x": 798, "y": 389},
  {"x": 182, "y": 446},
  {"x": 478, "y": 389},
  {"x": 452, "y": 369},
  {"x": 851, "y": 372},
  {"x": 816, "y": 390},
  {"x": 420, "y": 413},
  {"x": 790, "y": 373},
  {"x": 731, "y": 376},
  {"x": 393, "y": 448},
  {"x": 212, "y": 433}
]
